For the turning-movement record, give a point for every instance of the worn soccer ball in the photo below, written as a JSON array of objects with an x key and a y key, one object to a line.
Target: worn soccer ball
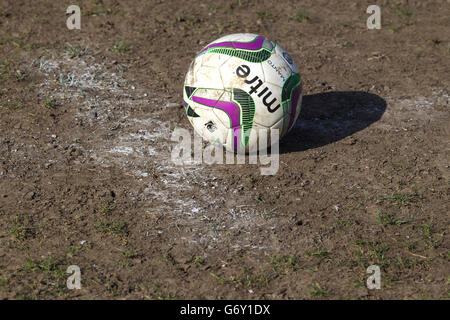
[{"x": 239, "y": 86}]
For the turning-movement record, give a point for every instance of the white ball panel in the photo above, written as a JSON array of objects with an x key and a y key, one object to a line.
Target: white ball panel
[
  {"x": 276, "y": 70},
  {"x": 241, "y": 37},
  {"x": 190, "y": 79},
  {"x": 262, "y": 115},
  {"x": 214, "y": 60},
  {"x": 228, "y": 73},
  {"x": 208, "y": 77},
  {"x": 283, "y": 54}
]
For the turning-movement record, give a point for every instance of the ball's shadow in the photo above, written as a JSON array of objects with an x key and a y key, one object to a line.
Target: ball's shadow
[{"x": 329, "y": 117}]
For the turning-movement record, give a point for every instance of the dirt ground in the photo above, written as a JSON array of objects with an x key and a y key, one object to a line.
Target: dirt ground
[{"x": 86, "y": 177}]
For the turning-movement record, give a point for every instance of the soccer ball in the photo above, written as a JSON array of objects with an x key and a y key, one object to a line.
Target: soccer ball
[{"x": 239, "y": 86}]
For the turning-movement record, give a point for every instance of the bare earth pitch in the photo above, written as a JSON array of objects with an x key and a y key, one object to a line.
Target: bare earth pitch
[{"x": 86, "y": 176}]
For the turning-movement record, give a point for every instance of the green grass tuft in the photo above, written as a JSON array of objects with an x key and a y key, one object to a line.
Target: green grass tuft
[{"x": 302, "y": 16}]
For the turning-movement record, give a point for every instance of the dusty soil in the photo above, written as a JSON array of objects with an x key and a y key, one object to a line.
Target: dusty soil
[{"x": 86, "y": 177}]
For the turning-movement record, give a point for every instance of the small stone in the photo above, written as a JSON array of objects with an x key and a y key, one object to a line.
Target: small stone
[{"x": 30, "y": 195}]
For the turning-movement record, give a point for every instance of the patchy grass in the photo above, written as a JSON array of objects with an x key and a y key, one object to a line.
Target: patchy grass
[
  {"x": 160, "y": 295},
  {"x": 265, "y": 14},
  {"x": 369, "y": 253},
  {"x": 400, "y": 199},
  {"x": 74, "y": 250},
  {"x": 198, "y": 260},
  {"x": 50, "y": 266},
  {"x": 431, "y": 238},
  {"x": 221, "y": 280},
  {"x": 20, "y": 231},
  {"x": 49, "y": 102},
  {"x": 21, "y": 45},
  {"x": 51, "y": 271},
  {"x": 127, "y": 255},
  {"x": 121, "y": 47},
  {"x": 385, "y": 219},
  {"x": 4, "y": 282},
  {"x": 21, "y": 75},
  {"x": 407, "y": 263},
  {"x": 318, "y": 253},
  {"x": 427, "y": 228},
  {"x": 9, "y": 71},
  {"x": 75, "y": 51},
  {"x": 284, "y": 264},
  {"x": 317, "y": 290},
  {"x": 302, "y": 16},
  {"x": 26, "y": 295},
  {"x": 390, "y": 27},
  {"x": 130, "y": 254},
  {"x": 405, "y": 13},
  {"x": 101, "y": 12},
  {"x": 253, "y": 280},
  {"x": 107, "y": 210},
  {"x": 116, "y": 227}
]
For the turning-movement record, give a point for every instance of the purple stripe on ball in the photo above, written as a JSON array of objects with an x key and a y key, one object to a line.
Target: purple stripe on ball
[{"x": 255, "y": 44}]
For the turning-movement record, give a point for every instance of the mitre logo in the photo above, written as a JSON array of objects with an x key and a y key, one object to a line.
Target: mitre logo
[{"x": 243, "y": 71}]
